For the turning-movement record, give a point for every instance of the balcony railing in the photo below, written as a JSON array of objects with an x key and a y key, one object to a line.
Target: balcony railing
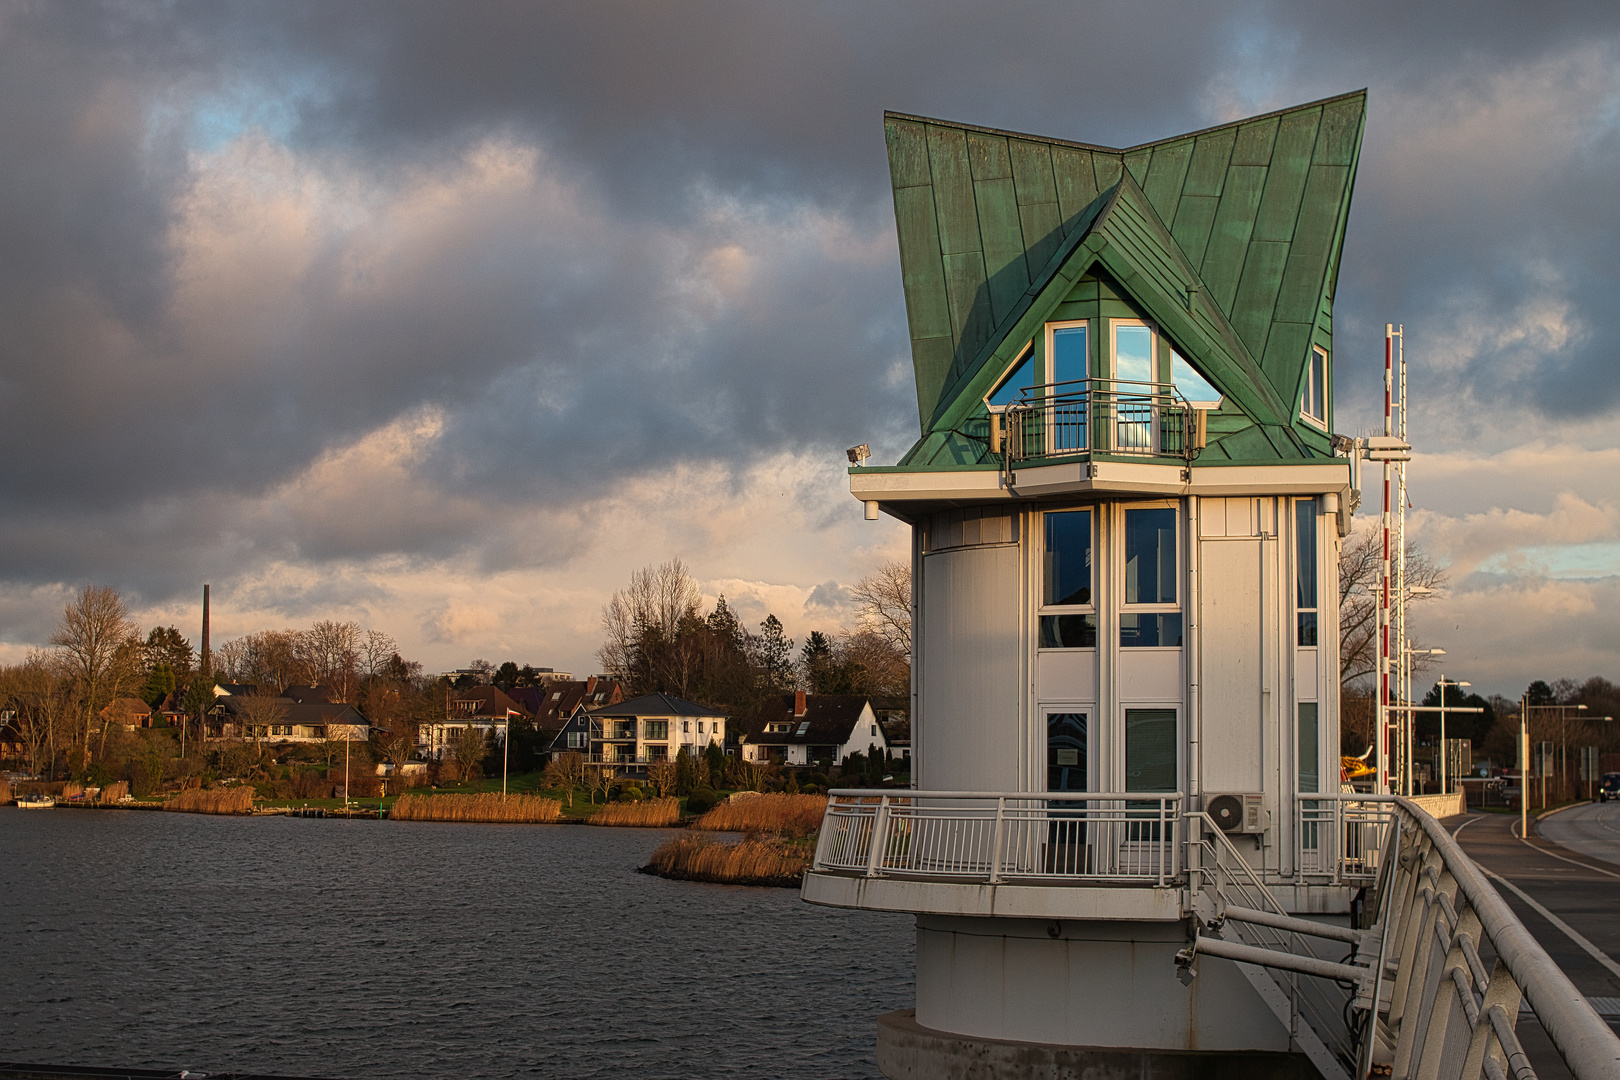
[
  {"x": 994, "y": 837},
  {"x": 1083, "y": 417}
]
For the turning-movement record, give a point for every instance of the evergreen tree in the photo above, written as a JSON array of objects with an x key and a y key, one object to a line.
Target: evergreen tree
[{"x": 775, "y": 655}]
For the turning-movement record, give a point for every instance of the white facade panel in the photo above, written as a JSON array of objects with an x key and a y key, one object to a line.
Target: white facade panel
[
  {"x": 1066, "y": 675},
  {"x": 1231, "y": 650},
  {"x": 970, "y": 680},
  {"x": 1150, "y": 675}
]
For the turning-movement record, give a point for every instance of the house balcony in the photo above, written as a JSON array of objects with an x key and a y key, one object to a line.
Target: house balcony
[
  {"x": 1086, "y": 418},
  {"x": 1071, "y": 855}
]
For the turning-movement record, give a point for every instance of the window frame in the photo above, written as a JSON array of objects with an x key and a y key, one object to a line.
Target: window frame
[
  {"x": 1044, "y": 610},
  {"x": 1047, "y": 368},
  {"x": 1026, "y": 353},
  {"x": 1314, "y": 387},
  {"x": 1302, "y": 507},
  {"x": 1113, "y": 349},
  {"x": 1121, "y": 561}
]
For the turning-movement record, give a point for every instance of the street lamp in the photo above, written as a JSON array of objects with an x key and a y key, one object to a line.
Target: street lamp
[
  {"x": 1445, "y": 754},
  {"x": 1408, "y": 738}
]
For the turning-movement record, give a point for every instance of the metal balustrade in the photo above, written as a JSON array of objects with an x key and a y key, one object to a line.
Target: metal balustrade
[
  {"x": 1102, "y": 416},
  {"x": 1433, "y": 988},
  {"x": 993, "y": 837}
]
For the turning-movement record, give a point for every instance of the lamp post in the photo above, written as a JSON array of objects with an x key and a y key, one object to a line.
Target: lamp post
[
  {"x": 1407, "y": 725},
  {"x": 1445, "y": 755}
]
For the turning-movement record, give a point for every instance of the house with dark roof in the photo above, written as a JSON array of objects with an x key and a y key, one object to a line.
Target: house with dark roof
[
  {"x": 487, "y": 708},
  {"x": 651, "y": 728},
  {"x": 131, "y": 712},
  {"x": 553, "y": 704},
  {"x": 813, "y": 729},
  {"x": 297, "y": 714}
]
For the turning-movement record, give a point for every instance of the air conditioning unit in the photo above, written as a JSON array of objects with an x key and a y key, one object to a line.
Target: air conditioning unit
[{"x": 1237, "y": 811}]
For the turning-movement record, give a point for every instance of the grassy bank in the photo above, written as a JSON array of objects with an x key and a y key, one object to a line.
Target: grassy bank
[
  {"x": 751, "y": 862},
  {"x": 784, "y": 815},
  {"x": 231, "y": 800},
  {"x": 647, "y": 814},
  {"x": 484, "y": 807}
]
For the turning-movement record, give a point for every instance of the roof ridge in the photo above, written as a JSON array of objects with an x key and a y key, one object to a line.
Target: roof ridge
[{"x": 1053, "y": 141}]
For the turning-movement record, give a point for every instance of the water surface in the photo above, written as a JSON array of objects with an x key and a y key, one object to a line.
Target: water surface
[{"x": 366, "y": 949}]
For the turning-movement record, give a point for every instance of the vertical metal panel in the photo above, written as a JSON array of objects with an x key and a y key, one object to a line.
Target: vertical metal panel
[
  {"x": 1254, "y": 142},
  {"x": 1257, "y": 293},
  {"x": 1231, "y": 676},
  {"x": 1038, "y": 212},
  {"x": 1167, "y": 170},
  {"x": 1285, "y": 180},
  {"x": 1229, "y": 238},
  {"x": 973, "y": 637},
  {"x": 953, "y": 190},
  {"x": 1076, "y": 181}
]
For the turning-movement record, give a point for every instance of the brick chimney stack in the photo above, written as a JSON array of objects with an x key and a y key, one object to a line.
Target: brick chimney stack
[
  {"x": 798, "y": 703},
  {"x": 590, "y": 685}
]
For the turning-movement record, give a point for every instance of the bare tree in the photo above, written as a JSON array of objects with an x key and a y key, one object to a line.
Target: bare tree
[
  {"x": 38, "y": 694},
  {"x": 567, "y": 771},
  {"x": 601, "y": 779},
  {"x": 260, "y": 712},
  {"x": 661, "y": 777},
  {"x": 885, "y": 605},
  {"x": 643, "y": 623},
  {"x": 330, "y": 652},
  {"x": 92, "y": 630},
  {"x": 398, "y": 742},
  {"x": 377, "y": 650},
  {"x": 1361, "y": 559},
  {"x": 467, "y": 749}
]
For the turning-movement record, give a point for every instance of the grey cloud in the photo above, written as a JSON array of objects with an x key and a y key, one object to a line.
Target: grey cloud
[{"x": 548, "y": 326}]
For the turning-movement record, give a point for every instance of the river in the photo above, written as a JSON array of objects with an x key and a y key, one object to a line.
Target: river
[{"x": 398, "y": 950}]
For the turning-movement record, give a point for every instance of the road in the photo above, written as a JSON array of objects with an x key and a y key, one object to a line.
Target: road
[{"x": 1570, "y": 871}]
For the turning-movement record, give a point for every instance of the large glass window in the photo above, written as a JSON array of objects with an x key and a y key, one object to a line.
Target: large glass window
[
  {"x": 1069, "y": 631},
  {"x": 1150, "y": 556},
  {"x": 1133, "y": 353},
  {"x": 1066, "y": 752},
  {"x": 1191, "y": 384},
  {"x": 657, "y": 729},
  {"x": 1069, "y": 358},
  {"x": 1305, "y": 569},
  {"x": 1159, "y": 629},
  {"x": 1150, "y": 750},
  {"x": 1310, "y": 766},
  {"x": 1068, "y": 558},
  {"x": 1021, "y": 378}
]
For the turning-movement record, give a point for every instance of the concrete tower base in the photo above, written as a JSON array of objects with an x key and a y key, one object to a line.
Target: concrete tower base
[{"x": 908, "y": 1051}]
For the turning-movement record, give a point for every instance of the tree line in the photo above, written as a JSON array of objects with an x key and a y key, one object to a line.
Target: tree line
[{"x": 658, "y": 639}]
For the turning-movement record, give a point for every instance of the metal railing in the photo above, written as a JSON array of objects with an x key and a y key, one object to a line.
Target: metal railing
[
  {"x": 1340, "y": 838},
  {"x": 1460, "y": 963},
  {"x": 1003, "y": 836},
  {"x": 1103, "y": 416}
]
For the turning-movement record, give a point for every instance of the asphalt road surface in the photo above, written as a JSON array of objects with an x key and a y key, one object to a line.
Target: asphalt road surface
[
  {"x": 1592, "y": 830},
  {"x": 1570, "y": 868}
]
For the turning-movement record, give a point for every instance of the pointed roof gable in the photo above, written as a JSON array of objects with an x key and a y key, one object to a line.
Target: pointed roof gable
[{"x": 1251, "y": 213}]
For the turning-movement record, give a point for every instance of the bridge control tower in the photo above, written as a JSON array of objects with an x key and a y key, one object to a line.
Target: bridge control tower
[{"x": 1126, "y": 506}]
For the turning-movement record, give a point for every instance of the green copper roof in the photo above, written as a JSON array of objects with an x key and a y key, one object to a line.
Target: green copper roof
[{"x": 1228, "y": 238}]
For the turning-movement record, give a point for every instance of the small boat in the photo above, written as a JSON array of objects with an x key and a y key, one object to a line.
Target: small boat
[{"x": 35, "y": 802}]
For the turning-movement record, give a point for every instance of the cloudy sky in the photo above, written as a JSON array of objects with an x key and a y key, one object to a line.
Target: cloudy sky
[{"x": 446, "y": 317}]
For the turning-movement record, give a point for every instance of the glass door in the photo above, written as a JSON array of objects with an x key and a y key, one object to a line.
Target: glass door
[{"x": 1068, "y": 763}]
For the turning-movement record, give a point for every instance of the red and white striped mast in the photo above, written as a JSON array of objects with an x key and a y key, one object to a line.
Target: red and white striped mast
[{"x": 1383, "y": 589}]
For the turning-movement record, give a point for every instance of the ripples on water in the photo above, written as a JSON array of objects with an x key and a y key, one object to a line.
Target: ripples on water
[{"x": 365, "y": 949}]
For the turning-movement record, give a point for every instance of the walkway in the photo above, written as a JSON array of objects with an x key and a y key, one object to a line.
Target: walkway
[{"x": 1570, "y": 899}]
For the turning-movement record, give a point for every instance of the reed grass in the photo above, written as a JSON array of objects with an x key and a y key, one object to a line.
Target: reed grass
[
  {"x": 231, "y": 800},
  {"x": 114, "y": 792},
  {"x": 489, "y": 806},
  {"x": 751, "y": 862},
  {"x": 647, "y": 814},
  {"x": 784, "y": 815},
  {"x": 6, "y": 794}
]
